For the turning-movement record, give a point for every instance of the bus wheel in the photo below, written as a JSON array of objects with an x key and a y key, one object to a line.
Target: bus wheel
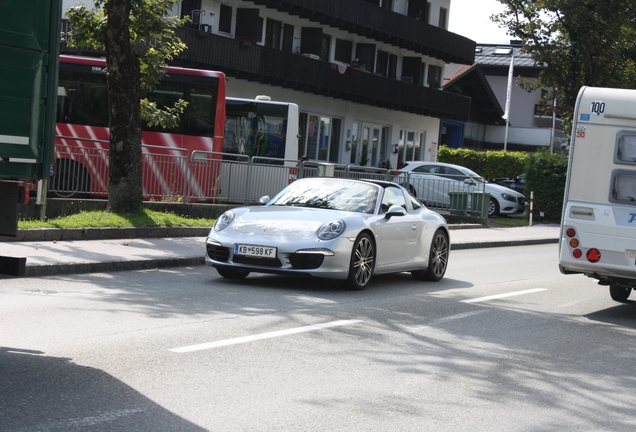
[
  {"x": 619, "y": 293},
  {"x": 70, "y": 180}
]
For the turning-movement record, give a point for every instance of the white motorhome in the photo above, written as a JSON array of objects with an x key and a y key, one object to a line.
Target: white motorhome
[{"x": 598, "y": 226}]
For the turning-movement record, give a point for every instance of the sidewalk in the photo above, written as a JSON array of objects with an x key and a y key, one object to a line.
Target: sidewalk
[{"x": 56, "y": 257}]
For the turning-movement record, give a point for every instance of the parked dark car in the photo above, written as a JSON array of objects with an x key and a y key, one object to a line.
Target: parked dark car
[{"x": 517, "y": 183}]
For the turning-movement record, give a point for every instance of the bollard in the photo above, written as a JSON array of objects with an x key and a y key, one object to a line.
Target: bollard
[{"x": 531, "y": 205}]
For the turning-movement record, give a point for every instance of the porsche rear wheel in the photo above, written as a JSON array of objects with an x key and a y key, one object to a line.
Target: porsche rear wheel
[
  {"x": 233, "y": 274},
  {"x": 362, "y": 263},
  {"x": 437, "y": 260}
]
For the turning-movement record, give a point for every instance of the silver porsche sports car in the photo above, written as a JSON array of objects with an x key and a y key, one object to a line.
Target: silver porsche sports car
[{"x": 332, "y": 228}]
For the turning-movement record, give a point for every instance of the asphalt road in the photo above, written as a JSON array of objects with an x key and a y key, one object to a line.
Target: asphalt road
[{"x": 504, "y": 342}]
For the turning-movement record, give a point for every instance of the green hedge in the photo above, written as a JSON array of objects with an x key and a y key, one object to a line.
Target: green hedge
[
  {"x": 545, "y": 173},
  {"x": 488, "y": 164},
  {"x": 545, "y": 176}
]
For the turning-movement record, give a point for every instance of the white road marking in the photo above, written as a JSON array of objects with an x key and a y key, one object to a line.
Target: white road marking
[
  {"x": 269, "y": 335},
  {"x": 444, "y": 319},
  {"x": 458, "y": 316},
  {"x": 498, "y": 296}
]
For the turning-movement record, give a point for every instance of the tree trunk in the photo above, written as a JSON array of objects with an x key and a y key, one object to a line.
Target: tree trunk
[{"x": 124, "y": 181}]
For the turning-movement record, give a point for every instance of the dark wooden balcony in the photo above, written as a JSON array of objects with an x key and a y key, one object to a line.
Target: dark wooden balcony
[
  {"x": 278, "y": 68},
  {"x": 359, "y": 17}
]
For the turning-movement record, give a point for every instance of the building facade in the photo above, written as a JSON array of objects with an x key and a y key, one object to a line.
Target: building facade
[
  {"x": 366, "y": 74},
  {"x": 531, "y": 124}
]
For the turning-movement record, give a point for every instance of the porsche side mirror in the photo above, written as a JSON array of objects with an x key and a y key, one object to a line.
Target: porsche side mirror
[
  {"x": 395, "y": 210},
  {"x": 263, "y": 200}
]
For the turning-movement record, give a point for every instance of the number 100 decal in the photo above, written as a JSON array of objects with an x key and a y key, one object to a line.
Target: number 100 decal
[{"x": 597, "y": 108}]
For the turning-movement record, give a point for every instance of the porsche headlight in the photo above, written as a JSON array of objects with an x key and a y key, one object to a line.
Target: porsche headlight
[
  {"x": 331, "y": 230},
  {"x": 224, "y": 220}
]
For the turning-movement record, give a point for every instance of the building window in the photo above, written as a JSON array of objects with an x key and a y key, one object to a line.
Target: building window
[
  {"x": 344, "y": 48},
  {"x": 365, "y": 56},
  {"x": 225, "y": 19},
  {"x": 393, "y": 61},
  {"x": 410, "y": 147},
  {"x": 249, "y": 26},
  {"x": 259, "y": 30},
  {"x": 311, "y": 41},
  {"x": 273, "y": 31},
  {"x": 434, "y": 76},
  {"x": 326, "y": 45},
  {"x": 442, "y": 17},
  {"x": 423, "y": 74},
  {"x": 382, "y": 63},
  {"x": 386, "y": 4},
  {"x": 288, "y": 38}
]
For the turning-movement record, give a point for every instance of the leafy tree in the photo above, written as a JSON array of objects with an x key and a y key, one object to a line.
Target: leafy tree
[
  {"x": 579, "y": 43},
  {"x": 139, "y": 39}
]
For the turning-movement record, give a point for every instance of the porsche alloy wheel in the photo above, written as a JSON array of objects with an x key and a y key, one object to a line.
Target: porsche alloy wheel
[
  {"x": 437, "y": 261},
  {"x": 362, "y": 263}
]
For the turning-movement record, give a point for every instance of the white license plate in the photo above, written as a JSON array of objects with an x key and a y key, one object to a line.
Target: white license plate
[{"x": 255, "y": 251}]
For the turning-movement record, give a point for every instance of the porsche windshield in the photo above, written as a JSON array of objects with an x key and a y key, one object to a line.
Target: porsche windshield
[{"x": 329, "y": 193}]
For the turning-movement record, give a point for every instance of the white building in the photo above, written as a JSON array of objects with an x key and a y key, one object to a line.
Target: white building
[{"x": 366, "y": 75}]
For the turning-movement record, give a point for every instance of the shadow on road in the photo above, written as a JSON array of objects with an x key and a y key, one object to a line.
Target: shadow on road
[{"x": 43, "y": 393}]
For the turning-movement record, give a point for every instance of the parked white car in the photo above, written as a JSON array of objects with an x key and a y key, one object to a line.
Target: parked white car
[{"x": 434, "y": 182}]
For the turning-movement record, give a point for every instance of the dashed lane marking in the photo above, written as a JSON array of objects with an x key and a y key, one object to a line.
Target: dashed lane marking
[
  {"x": 246, "y": 339},
  {"x": 498, "y": 296}
]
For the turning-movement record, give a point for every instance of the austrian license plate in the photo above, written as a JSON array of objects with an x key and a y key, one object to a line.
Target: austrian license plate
[{"x": 255, "y": 251}]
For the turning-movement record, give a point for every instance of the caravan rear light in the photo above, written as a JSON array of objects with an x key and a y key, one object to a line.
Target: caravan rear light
[
  {"x": 571, "y": 232},
  {"x": 593, "y": 255},
  {"x": 576, "y": 253},
  {"x": 574, "y": 243}
]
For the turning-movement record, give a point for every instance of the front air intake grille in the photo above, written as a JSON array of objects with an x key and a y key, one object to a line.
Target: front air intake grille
[
  {"x": 306, "y": 261},
  {"x": 265, "y": 262},
  {"x": 218, "y": 253}
]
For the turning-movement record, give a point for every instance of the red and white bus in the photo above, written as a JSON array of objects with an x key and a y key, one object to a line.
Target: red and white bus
[{"x": 81, "y": 151}]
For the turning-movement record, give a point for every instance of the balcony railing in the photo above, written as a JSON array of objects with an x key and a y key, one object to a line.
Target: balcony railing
[
  {"x": 359, "y": 17},
  {"x": 283, "y": 69}
]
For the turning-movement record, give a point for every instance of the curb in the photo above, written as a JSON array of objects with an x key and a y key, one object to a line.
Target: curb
[
  {"x": 113, "y": 266},
  {"x": 72, "y": 234},
  {"x": 503, "y": 243}
]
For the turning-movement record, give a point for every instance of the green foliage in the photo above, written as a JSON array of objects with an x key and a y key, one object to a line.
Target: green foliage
[
  {"x": 153, "y": 37},
  {"x": 545, "y": 176},
  {"x": 488, "y": 164},
  {"x": 579, "y": 43},
  {"x": 99, "y": 219}
]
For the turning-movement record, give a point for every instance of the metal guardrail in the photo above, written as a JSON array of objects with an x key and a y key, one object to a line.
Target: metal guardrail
[
  {"x": 176, "y": 175},
  {"x": 454, "y": 193}
]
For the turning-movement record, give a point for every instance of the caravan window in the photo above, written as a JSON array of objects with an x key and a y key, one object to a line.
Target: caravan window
[
  {"x": 625, "y": 148},
  {"x": 623, "y": 187}
]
